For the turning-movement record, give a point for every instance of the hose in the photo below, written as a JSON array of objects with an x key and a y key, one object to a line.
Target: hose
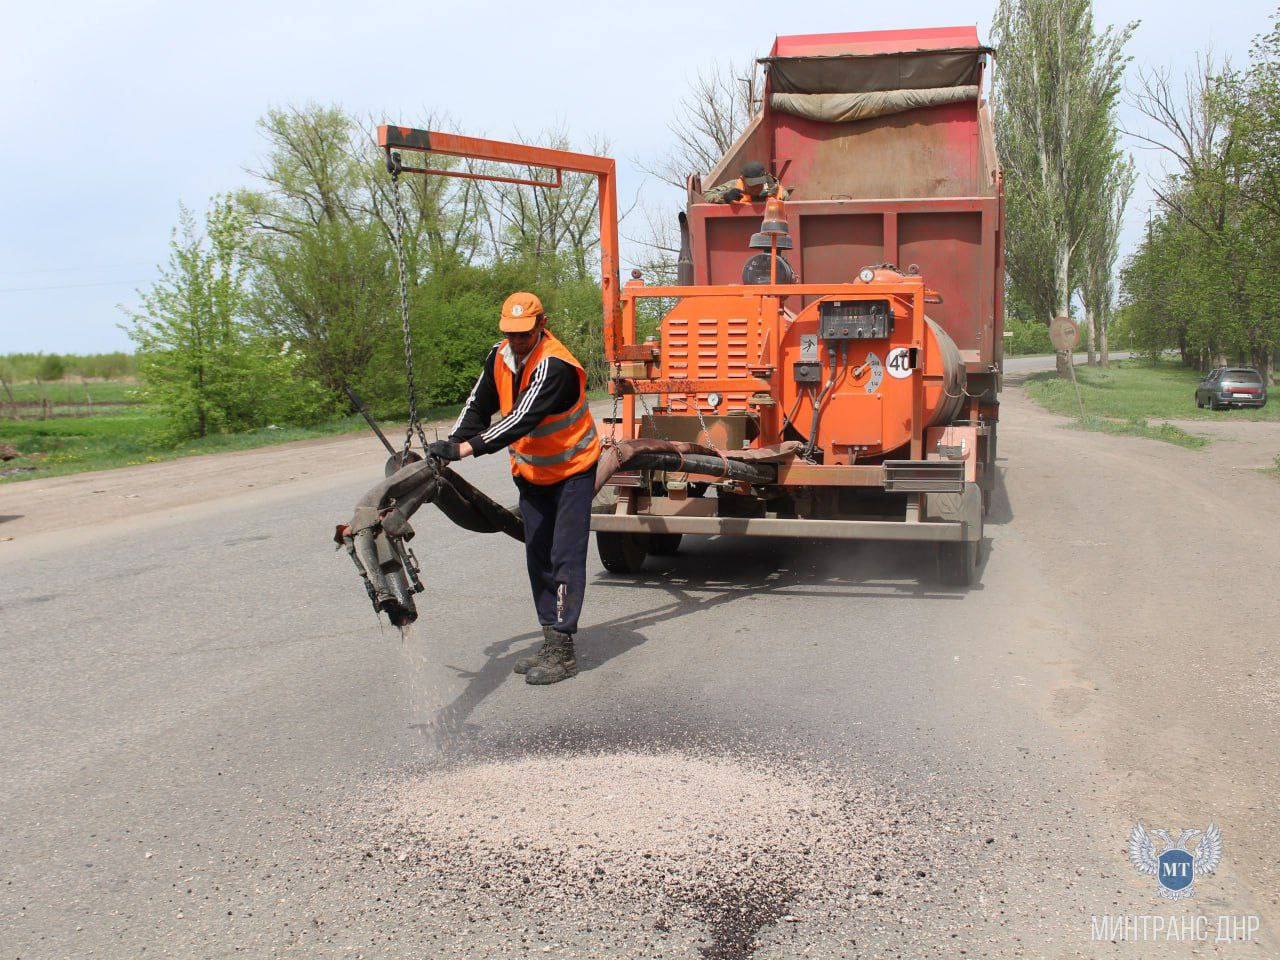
[
  {"x": 376, "y": 538},
  {"x": 836, "y": 367}
]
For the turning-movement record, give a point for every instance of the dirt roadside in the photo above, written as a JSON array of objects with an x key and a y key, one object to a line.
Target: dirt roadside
[
  {"x": 36, "y": 508},
  {"x": 1168, "y": 561}
]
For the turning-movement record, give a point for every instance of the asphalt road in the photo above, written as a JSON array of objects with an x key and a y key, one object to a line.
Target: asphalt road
[{"x": 191, "y": 703}]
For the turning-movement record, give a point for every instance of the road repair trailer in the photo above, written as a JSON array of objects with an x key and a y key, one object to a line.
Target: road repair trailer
[
  {"x": 828, "y": 363},
  {"x": 874, "y": 342}
]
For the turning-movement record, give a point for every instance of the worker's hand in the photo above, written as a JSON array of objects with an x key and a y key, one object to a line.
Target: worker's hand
[
  {"x": 733, "y": 195},
  {"x": 445, "y": 450}
]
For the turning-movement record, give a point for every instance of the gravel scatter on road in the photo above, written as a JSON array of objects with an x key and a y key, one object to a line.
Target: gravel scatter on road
[{"x": 697, "y": 853}]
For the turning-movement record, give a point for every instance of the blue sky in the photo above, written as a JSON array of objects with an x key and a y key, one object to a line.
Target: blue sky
[{"x": 115, "y": 111}]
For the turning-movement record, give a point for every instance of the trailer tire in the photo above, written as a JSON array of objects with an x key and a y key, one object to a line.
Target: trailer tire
[
  {"x": 665, "y": 544},
  {"x": 621, "y": 552}
]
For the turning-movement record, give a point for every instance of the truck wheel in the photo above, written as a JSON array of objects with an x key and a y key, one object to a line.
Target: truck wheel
[
  {"x": 989, "y": 471},
  {"x": 621, "y": 552},
  {"x": 665, "y": 544},
  {"x": 958, "y": 560}
]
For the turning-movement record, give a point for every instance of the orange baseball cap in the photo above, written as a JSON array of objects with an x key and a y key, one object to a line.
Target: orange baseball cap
[{"x": 520, "y": 313}]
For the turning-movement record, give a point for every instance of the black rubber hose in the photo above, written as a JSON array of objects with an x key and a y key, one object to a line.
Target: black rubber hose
[{"x": 758, "y": 473}]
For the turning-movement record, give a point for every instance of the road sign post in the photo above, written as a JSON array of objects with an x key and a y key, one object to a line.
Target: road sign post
[{"x": 1064, "y": 334}]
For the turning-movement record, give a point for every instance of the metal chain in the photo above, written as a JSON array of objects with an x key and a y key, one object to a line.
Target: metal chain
[
  {"x": 398, "y": 242},
  {"x": 702, "y": 424}
]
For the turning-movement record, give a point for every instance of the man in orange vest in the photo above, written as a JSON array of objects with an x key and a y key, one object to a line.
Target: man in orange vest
[{"x": 540, "y": 390}]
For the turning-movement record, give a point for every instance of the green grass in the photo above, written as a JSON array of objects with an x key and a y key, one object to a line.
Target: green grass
[
  {"x": 63, "y": 392},
  {"x": 1134, "y": 389},
  {"x": 1130, "y": 394},
  {"x": 1139, "y": 427}
]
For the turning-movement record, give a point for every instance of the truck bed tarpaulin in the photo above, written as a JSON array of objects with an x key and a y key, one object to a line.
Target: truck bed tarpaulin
[
  {"x": 846, "y": 107},
  {"x": 868, "y": 74}
]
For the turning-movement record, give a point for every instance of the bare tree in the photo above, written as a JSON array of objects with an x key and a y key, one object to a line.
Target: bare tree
[
  {"x": 540, "y": 221},
  {"x": 1192, "y": 125},
  {"x": 721, "y": 101}
]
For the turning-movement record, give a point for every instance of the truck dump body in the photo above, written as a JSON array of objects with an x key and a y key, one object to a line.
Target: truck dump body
[{"x": 916, "y": 182}]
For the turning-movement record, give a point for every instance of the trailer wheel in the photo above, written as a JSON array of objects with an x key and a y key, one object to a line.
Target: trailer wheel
[
  {"x": 621, "y": 552},
  {"x": 665, "y": 544}
]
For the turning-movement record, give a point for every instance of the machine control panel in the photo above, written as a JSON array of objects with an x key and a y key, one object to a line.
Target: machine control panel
[{"x": 854, "y": 320}]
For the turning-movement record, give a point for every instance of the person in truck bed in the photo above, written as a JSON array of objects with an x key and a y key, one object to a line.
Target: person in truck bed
[{"x": 754, "y": 185}]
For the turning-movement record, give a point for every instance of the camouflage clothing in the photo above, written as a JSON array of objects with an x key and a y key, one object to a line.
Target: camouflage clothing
[{"x": 737, "y": 191}]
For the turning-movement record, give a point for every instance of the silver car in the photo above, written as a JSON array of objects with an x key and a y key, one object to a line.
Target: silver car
[{"x": 1228, "y": 387}]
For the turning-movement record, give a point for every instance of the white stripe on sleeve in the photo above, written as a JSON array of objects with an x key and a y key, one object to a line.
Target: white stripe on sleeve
[{"x": 535, "y": 384}]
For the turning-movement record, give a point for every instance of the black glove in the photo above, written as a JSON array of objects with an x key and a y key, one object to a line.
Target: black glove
[
  {"x": 445, "y": 450},
  {"x": 733, "y": 195}
]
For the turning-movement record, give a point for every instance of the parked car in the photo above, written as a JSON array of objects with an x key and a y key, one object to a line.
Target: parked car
[{"x": 1232, "y": 387}]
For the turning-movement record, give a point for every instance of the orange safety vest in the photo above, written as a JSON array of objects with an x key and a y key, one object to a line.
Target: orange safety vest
[{"x": 561, "y": 445}]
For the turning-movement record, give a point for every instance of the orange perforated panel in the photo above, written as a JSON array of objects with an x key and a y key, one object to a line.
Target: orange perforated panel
[{"x": 711, "y": 338}]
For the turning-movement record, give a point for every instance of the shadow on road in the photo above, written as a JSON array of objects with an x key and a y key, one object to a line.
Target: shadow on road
[
  {"x": 708, "y": 573},
  {"x": 1001, "y": 511}
]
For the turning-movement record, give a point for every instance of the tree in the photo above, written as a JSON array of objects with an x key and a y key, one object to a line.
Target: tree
[
  {"x": 1101, "y": 251},
  {"x": 533, "y": 222},
  {"x": 200, "y": 362},
  {"x": 52, "y": 367},
  {"x": 1056, "y": 87},
  {"x": 720, "y": 104},
  {"x": 324, "y": 273}
]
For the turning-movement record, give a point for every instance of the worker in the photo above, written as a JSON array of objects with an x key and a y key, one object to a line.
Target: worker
[
  {"x": 754, "y": 185},
  {"x": 540, "y": 390}
]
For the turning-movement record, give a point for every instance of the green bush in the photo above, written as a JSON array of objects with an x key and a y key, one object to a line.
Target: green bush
[
  {"x": 52, "y": 367},
  {"x": 1028, "y": 336}
]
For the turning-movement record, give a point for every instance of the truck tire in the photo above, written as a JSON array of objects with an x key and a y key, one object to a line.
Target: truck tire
[
  {"x": 989, "y": 471},
  {"x": 621, "y": 552},
  {"x": 958, "y": 561},
  {"x": 665, "y": 544}
]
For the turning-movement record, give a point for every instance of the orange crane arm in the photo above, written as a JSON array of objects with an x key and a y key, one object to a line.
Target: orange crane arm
[{"x": 392, "y": 138}]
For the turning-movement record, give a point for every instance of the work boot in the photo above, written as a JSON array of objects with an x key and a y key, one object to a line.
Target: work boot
[
  {"x": 524, "y": 663},
  {"x": 557, "y": 663}
]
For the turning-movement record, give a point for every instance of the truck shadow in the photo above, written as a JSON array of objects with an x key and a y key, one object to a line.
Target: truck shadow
[
  {"x": 710, "y": 572},
  {"x": 1001, "y": 511}
]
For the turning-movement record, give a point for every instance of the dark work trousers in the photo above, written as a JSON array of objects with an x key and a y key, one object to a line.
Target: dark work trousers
[{"x": 557, "y": 526}]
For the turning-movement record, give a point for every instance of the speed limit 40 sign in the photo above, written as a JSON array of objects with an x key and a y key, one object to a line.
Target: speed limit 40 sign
[{"x": 898, "y": 363}]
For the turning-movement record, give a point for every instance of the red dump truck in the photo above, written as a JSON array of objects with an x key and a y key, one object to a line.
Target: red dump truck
[
  {"x": 828, "y": 363},
  {"x": 856, "y": 344}
]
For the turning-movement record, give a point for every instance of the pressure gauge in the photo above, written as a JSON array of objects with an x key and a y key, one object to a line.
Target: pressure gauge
[
  {"x": 867, "y": 275},
  {"x": 713, "y": 400}
]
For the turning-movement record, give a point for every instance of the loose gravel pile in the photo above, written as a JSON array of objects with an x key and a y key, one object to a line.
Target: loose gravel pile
[{"x": 661, "y": 838}]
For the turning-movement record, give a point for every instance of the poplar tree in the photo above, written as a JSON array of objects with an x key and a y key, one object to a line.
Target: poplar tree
[{"x": 1057, "y": 82}]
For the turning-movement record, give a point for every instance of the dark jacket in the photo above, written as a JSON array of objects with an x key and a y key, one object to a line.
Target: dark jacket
[{"x": 553, "y": 388}]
